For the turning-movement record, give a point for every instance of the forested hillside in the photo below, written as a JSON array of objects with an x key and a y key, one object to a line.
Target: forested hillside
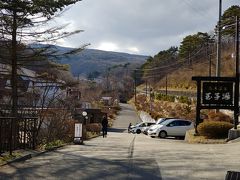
[
  {"x": 196, "y": 55},
  {"x": 91, "y": 61}
]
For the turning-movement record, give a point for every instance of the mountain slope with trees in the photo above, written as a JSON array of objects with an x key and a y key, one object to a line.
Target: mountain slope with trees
[
  {"x": 196, "y": 56},
  {"x": 91, "y": 61}
]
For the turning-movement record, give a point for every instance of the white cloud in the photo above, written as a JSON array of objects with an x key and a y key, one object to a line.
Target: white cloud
[
  {"x": 133, "y": 50},
  {"x": 108, "y": 46}
]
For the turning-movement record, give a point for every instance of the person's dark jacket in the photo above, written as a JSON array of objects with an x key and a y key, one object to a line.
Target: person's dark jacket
[{"x": 104, "y": 122}]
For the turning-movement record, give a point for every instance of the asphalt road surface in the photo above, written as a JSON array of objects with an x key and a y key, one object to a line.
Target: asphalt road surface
[{"x": 130, "y": 156}]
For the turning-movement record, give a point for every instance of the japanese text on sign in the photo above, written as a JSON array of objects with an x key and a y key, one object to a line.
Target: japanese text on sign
[{"x": 220, "y": 93}]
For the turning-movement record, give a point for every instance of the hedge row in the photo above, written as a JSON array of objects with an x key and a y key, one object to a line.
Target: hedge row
[
  {"x": 94, "y": 127},
  {"x": 164, "y": 97},
  {"x": 171, "y": 98},
  {"x": 214, "y": 129}
]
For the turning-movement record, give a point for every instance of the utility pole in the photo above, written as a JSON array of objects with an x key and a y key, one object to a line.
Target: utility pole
[
  {"x": 208, "y": 53},
  {"x": 189, "y": 59},
  {"x": 166, "y": 85},
  {"x": 236, "y": 100},
  {"x": 108, "y": 70},
  {"x": 146, "y": 88},
  {"x": 135, "y": 86},
  {"x": 218, "y": 66},
  {"x": 150, "y": 94}
]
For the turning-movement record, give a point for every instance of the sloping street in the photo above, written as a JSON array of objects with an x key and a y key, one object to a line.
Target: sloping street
[{"x": 129, "y": 156}]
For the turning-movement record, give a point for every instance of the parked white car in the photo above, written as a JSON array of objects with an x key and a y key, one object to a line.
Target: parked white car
[
  {"x": 139, "y": 127},
  {"x": 159, "y": 121},
  {"x": 171, "y": 127}
]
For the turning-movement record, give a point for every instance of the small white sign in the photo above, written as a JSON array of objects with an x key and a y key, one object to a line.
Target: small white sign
[{"x": 78, "y": 130}]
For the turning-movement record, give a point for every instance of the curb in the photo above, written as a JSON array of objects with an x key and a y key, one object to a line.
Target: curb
[
  {"x": 49, "y": 150},
  {"x": 30, "y": 155},
  {"x": 23, "y": 158},
  {"x": 234, "y": 140}
]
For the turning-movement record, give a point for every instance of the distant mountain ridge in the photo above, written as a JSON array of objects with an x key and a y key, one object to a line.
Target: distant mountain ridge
[{"x": 90, "y": 60}]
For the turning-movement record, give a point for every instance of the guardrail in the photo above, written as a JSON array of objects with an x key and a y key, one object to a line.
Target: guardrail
[{"x": 189, "y": 94}]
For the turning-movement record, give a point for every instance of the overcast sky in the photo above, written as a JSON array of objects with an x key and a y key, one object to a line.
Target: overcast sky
[{"x": 139, "y": 26}]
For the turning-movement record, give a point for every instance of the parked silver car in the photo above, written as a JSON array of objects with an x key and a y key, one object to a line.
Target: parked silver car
[
  {"x": 171, "y": 127},
  {"x": 138, "y": 127}
]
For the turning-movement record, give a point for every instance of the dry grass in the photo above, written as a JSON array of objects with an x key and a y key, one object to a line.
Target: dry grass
[
  {"x": 182, "y": 78},
  {"x": 4, "y": 158},
  {"x": 166, "y": 109}
]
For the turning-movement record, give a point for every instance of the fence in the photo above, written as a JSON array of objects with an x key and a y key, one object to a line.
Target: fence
[{"x": 17, "y": 133}]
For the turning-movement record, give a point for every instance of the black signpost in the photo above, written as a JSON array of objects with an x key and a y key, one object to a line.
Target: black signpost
[
  {"x": 220, "y": 92},
  {"x": 217, "y": 93}
]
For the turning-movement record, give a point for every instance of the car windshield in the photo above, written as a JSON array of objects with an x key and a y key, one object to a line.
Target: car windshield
[
  {"x": 138, "y": 124},
  {"x": 164, "y": 122},
  {"x": 160, "y": 120}
]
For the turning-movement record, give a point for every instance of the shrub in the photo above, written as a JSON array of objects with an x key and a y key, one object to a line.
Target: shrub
[
  {"x": 111, "y": 116},
  {"x": 214, "y": 129},
  {"x": 94, "y": 127},
  {"x": 56, "y": 125},
  {"x": 219, "y": 116},
  {"x": 53, "y": 144},
  {"x": 155, "y": 115},
  {"x": 164, "y": 97},
  {"x": 118, "y": 108},
  {"x": 184, "y": 99},
  {"x": 172, "y": 114},
  {"x": 187, "y": 109},
  {"x": 170, "y": 98},
  {"x": 90, "y": 135},
  {"x": 141, "y": 98}
]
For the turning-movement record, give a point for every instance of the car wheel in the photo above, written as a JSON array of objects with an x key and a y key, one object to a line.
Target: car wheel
[
  {"x": 138, "y": 131},
  {"x": 182, "y": 137},
  {"x": 163, "y": 134},
  {"x": 152, "y": 136}
]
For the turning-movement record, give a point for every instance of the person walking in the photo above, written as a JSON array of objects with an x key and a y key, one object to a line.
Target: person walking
[
  {"x": 104, "y": 126},
  {"x": 129, "y": 127}
]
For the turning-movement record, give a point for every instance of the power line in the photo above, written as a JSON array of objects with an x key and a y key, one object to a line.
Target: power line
[
  {"x": 164, "y": 71},
  {"x": 173, "y": 64},
  {"x": 202, "y": 13}
]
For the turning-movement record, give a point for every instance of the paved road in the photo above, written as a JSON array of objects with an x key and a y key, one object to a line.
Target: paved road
[
  {"x": 130, "y": 156},
  {"x": 126, "y": 115}
]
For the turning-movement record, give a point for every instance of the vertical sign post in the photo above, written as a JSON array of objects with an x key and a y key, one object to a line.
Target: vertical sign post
[
  {"x": 236, "y": 112},
  {"x": 78, "y": 133}
]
